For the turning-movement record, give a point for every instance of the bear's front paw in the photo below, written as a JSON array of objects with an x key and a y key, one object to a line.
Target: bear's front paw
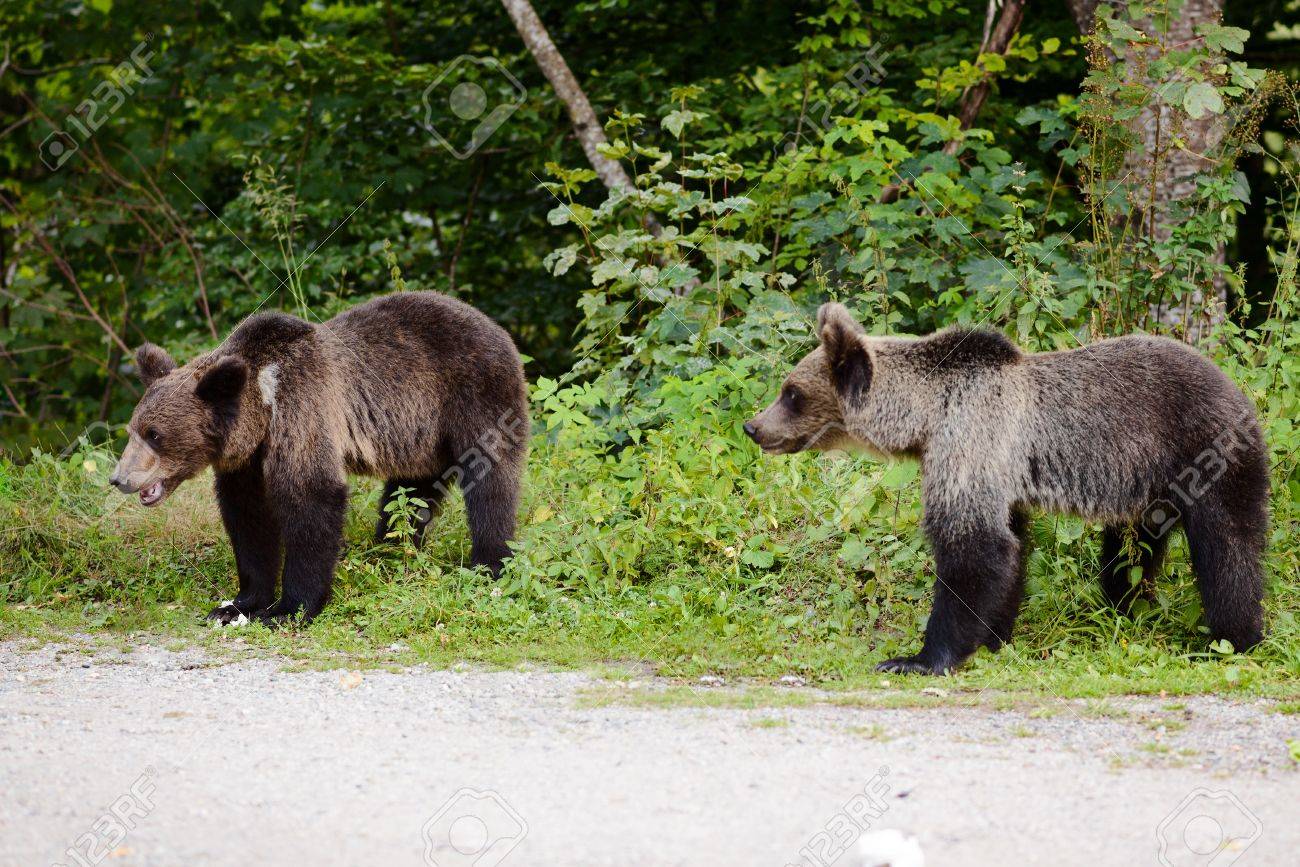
[
  {"x": 918, "y": 664},
  {"x": 227, "y": 614},
  {"x": 285, "y": 613}
]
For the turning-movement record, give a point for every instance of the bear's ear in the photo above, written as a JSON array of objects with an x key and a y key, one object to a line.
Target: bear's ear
[
  {"x": 846, "y": 352},
  {"x": 223, "y": 382},
  {"x": 152, "y": 363},
  {"x": 834, "y": 311}
]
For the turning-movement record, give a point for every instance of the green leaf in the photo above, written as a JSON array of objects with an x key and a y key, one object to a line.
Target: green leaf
[
  {"x": 676, "y": 120},
  {"x": 1226, "y": 39},
  {"x": 1202, "y": 98},
  {"x": 1123, "y": 30},
  {"x": 612, "y": 269}
]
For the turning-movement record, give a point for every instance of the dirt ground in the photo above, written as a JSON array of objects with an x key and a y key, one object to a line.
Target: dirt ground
[{"x": 159, "y": 758}]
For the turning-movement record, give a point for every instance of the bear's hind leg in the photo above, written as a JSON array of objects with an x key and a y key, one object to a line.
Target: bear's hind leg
[
  {"x": 254, "y": 533},
  {"x": 1116, "y": 564},
  {"x": 1226, "y": 550},
  {"x": 432, "y": 490},
  {"x": 1004, "y": 620},
  {"x": 491, "y": 502}
]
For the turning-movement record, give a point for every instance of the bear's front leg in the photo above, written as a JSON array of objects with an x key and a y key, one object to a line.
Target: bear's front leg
[
  {"x": 974, "y": 595},
  {"x": 311, "y": 514},
  {"x": 254, "y": 532}
]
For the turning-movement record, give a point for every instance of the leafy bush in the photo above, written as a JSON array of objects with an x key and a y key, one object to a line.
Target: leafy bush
[{"x": 652, "y": 529}]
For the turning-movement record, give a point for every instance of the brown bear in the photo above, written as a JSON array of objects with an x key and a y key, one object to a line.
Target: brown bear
[
  {"x": 1141, "y": 433},
  {"x": 416, "y": 388}
]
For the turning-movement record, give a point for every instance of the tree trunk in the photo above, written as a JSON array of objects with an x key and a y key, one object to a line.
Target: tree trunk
[
  {"x": 1176, "y": 169},
  {"x": 589, "y": 130},
  {"x": 997, "y": 39},
  {"x": 1165, "y": 174},
  {"x": 1084, "y": 12}
]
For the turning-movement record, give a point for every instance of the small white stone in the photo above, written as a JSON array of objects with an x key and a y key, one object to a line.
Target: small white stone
[{"x": 889, "y": 847}]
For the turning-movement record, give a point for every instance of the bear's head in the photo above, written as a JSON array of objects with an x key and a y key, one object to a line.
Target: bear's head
[
  {"x": 179, "y": 426},
  {"x": 808, "y": 414}
]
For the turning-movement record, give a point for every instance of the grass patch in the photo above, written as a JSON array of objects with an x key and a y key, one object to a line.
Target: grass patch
[
  {"x": 681, "y": 558},
  {"x": 873, "y": 732}
]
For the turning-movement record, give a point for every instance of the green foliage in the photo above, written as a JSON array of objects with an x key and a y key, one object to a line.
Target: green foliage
[
  {"x": 403, "y": 513},
  {"x": 781, "y": 155},
  {"x": 687, "y": 550}
]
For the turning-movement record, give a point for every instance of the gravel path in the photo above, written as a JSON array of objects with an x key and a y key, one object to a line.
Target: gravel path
[{"x": 160, "y": 758}]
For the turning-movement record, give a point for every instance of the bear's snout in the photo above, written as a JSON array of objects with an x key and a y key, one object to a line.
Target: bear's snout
[
  {"x": 124, "y": 483},
  {"x": 138, "y": 468},
  {"x": 750, "y": 430}
]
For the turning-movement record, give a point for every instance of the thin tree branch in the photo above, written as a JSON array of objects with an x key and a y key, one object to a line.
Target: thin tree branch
[
  {"x": 588, "y": 129},
  {"x": 465, "y": 222},
  {"x": 590, "y": 132},
  {"x": 998, "y": 41},
  {"x": 66, "y": 270}
]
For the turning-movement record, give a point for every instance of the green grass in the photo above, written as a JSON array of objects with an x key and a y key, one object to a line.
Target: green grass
[
  {"x": 873, "y": 732},
  {"x": 682, "y": 557}
]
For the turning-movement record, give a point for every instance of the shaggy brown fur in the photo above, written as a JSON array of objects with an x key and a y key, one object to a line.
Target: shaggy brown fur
[
  {"x": 1138, "y": 432},
  {"x": 415, "y": 388}
]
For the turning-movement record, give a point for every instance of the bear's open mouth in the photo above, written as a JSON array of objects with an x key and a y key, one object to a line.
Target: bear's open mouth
[
  {"x": 783, "y": 446},
  {"x": 152, "y": 493}
]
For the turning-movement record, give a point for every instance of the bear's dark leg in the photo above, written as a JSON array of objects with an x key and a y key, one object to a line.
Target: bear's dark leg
[
  {"x": 1117, "y": 566},
  {"x": 433, "y": 491},
  {"x": 1226, "y": 547},
  {"x": 254, "y": 535},
  {"x": 978, "y": 579},
  {"x": 312, "y": 515},
  {"x": 1005, "y": 620},
  {"x": 491, "y": 500}
]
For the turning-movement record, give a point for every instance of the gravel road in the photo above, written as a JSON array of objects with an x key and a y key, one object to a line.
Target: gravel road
[{"x": 172, "y": 758}]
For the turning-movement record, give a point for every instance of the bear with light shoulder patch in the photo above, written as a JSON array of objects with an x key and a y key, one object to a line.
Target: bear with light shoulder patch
[{"x": 416, "y": 388}]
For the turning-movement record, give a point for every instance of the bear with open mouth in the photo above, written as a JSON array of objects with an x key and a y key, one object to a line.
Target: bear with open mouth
[{"x": 415, "y": 388}]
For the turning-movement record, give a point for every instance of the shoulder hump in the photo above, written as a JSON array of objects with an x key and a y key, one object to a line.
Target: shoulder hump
[{"x": 959, "y": 348}]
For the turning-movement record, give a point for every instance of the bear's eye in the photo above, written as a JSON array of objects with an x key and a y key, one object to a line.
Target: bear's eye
[
  {"x": 152, "y": 437},
  {"x": 793, "y": 398}
]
